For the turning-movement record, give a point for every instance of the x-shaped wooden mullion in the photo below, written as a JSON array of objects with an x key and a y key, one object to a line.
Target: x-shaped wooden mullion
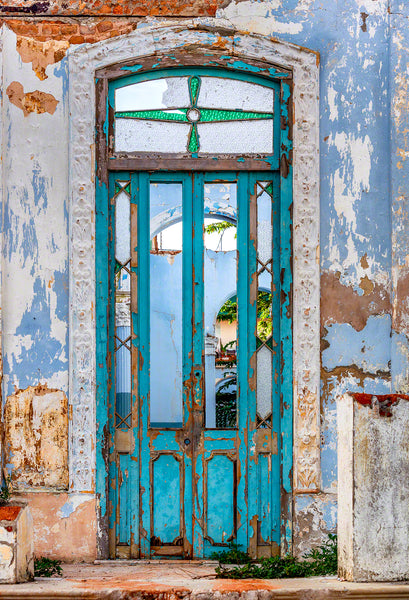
[
  {"x": 124, "y": 265},
  {"x": 122, "y": 420},
  {"x": 264, "y": 421},
  {"x": 122, "y": 188},
  {"x": 263, "y": 189},
  {"x": 123, "y": 342},
  {"x": 265, "y": 266}
]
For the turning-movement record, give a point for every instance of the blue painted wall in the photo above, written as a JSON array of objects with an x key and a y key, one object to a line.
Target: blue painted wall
[{"x": 364, "y": 124}]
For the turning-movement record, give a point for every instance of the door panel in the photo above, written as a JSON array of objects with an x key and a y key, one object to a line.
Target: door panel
[
  {"x": 196, "y": 419},
  {"x": 220, "y": 497}
]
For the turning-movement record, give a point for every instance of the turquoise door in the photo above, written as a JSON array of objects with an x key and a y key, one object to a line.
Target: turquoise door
[{"x": 199, "y": 309}]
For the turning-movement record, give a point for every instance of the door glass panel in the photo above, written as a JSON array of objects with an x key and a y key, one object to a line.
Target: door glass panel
[
  {"x": 220, "y": 304},
  {"x": 122, "y": 305},
  {"x": 166, "y": 313},
  {"x": 265, "y": 349}
]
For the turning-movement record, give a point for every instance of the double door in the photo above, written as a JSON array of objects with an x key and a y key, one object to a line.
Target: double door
[{"x": 195, "y": 404}]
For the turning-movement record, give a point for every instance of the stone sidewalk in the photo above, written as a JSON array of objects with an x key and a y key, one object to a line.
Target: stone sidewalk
[{"x": 177, "y": 580}]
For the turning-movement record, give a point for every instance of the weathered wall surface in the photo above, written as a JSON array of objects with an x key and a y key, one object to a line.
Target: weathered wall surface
[
  {"x": 36, "y": 438},
  {"x": 64, "y": 525},
  {"x": 373, "y": 503},
  {"x": 364, "y": 54}
]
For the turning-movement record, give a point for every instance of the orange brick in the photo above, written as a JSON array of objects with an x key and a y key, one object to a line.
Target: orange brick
[
  {"x": 104, "y": 26},
  {"x": 26, "y": 29},
  {"x": 69, "y": 29},
  {"x": 87, "y": 29},
  {"x": 77, "y": 39},
  {"x": 50, "y": 29}
]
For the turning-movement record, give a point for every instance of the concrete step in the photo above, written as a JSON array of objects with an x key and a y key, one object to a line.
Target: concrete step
[{"x": 145, "y": 580}]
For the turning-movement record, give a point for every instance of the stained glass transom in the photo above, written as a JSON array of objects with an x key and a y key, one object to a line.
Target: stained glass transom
[{"x": 194, "y": 114}]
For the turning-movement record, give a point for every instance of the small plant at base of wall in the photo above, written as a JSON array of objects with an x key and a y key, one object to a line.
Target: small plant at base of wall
[
  {"x": 319, "y": 562},
  {"x": 5, "y": 491},
  {"x": 47, "y": 567},
  {"x": 233, "y": 556}
]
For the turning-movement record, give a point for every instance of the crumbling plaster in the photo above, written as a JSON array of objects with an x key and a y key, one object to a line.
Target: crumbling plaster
[{"x": 364, "y": 124}]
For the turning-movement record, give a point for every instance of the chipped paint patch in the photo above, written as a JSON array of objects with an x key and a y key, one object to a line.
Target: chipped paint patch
[
  {"x": 342, "y": 304},
  {"x": 315, "y": 516},
  {"x": 367, "y": 349},
  {"x": 41, "y": 54},
  {"x": 71, "y": 539},
  {"x": 31, "y": 102},
  {"x": 36, "y": 437},
  {"x": 70, "y": 506}
]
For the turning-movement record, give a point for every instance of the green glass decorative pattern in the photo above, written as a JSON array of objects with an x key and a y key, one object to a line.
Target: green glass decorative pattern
[
  {"x": 155, "y": 115},
  {"x": 194, "y": 87},
  {"x": 215, "y": 115},
  {"x": 121, "y": 188},
  {"x": 193, "y": 143},
  {"x": 193, "y": 115}
]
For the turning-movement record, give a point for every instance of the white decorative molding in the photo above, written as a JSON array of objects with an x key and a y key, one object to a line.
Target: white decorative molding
[{"x": 155, "y": 38}]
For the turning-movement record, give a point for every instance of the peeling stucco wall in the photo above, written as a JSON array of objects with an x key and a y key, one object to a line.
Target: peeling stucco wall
[
  {"x": 36, "y": 438},
  {"x": 364, "y": 125}
]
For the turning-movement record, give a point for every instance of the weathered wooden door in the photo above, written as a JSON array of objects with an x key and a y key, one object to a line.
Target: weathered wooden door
[
  {"x": 195, "y": 264},
  {"x": 195, "y": 388}
]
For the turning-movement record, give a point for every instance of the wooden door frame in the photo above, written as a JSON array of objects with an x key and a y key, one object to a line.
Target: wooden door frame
[
  {"x": 88, "y": 376},
  {"x": 108, "y": 80}
]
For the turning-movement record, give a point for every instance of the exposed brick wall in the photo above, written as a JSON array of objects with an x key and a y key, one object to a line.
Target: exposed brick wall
[
  {"x": 71, "y": 30},
  {"x": 139, "y": 8}
]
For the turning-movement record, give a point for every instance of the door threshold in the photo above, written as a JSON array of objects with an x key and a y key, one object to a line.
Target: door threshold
[{"x": 119, "y": 562}]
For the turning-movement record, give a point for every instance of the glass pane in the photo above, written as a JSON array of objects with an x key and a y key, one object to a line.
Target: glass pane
[
  {"x": 264, "y": 316},
  {"x": 236, "y": 137},
  {"x": 170, "y": 92},
  {"x": 264, "y": 226},
  {"x": 220, "y": 304},
  {"x": 123, "y": 374},
  {"x": 122, "y": 305},
  {"x": 122, "y": 227},
  {"x": 166, "y": 305},
  {"x": 264, "y": 381},
  {"x": 264, "y": 359},
  {"x": 233, "y": 94},
  {"x": 133, "y": 135}
]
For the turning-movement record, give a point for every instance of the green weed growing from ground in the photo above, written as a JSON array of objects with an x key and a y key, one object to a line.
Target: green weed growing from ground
[
  {"x": 319, "y": 562},
  {"x": 47, "y": 567},
  {"x": 232, "y": 556}
]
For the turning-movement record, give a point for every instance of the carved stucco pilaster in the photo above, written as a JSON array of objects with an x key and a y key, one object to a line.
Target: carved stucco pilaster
[{"x": 83, "y": 62}]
